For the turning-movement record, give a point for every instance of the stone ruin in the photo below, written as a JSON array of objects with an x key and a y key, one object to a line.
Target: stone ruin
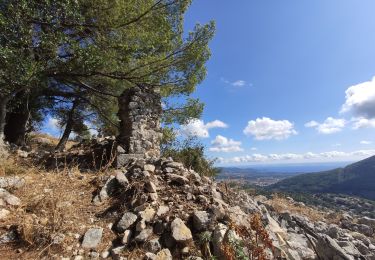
[
  {"x": 140, "y": 132},
  {"x": 139, "y": 135}
]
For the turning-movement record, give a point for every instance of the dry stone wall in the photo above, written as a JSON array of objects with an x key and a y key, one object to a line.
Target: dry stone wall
[{"x": 140, "y": 133}]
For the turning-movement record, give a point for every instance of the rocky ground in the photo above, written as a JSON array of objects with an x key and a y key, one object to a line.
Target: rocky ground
[{"x": 158, "y": 209}]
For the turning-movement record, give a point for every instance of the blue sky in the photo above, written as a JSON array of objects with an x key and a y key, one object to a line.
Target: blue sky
[{"x": 288, "y": 81}]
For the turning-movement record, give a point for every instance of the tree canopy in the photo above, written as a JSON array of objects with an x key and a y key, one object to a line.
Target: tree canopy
[{"x": 92, "y": 50}]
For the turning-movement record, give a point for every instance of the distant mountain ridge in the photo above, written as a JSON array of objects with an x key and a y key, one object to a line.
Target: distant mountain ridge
[{"x": 356, "y": 179}]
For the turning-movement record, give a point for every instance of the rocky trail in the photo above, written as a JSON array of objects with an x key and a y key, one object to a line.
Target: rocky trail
[{"x": 158, "y": 209}]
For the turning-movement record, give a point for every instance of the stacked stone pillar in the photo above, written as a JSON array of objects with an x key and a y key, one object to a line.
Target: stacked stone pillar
[{"x": 140, "y": 132}]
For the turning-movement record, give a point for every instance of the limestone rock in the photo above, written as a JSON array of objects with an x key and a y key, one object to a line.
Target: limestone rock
[
  {"x": 200, "y": 219},
  {"x": 177, "y": 178},
  {"x": 144, "y": 235},
  {"x": 9, "y": 198},
  {"x": 164, "y": 254},
  {"x": 180, "y": 232},
  {"x": 162, "y": 210},
  {"x": 11, "y": 182},
  {"x": 92, "y": 238},
  {"x": 149, "y": 167},
  {"x": 148, "y": 214},
  {"x": 126, "y": 221}
]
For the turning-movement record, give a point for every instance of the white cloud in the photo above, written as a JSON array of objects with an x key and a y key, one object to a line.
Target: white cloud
[
  {"x": 311, "y": 124},
  {"x": 197, "y": 127},
  {"x": 266, "y": 129},
  {"x": 360, "y": 99},
  {"x": 236, "y": 83},
  {"x": 324, "y": 156},
  {"x": 365, "y": 142},
  {"x": 361, "y": 122},
  {"x": 329, "y": 126},
  {"x": 253, "y": 148},
  {"x": 223, "y": 144},
  {"x": 53, "y": 124}
]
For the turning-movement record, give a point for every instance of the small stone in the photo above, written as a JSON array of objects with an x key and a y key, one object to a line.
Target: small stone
[
  {"x": 153, "y": 245},
  {"x": 164, "y": 254},
  {"x": 92, "y": 238},
  {"x": 148, "y": 214},
  {"x": 121, "y": 179},
  {"x": 9, "y": 198},
  {"x": 153, "y": 196},
  {"x": 144, "y": 235},
  {"x": 4, "y": 213},
  {"x": 149, "y": 167},
  {"x": 116, "y": 251},
  {"x": 201, "y": 220},
  {"x": 105, "y": 254},
  {"x": 178, "y": 179},
  {"x": 185, "y": 250},
  {"x": 140, "y": 225},
  {"x": 162, "y": 210},
  {"x": 126, "y": 237},
  {"x": 150, "y": 256},
  {"x": 150, "y": 187},
  {"x": 126, "y": 221},
  {"x": 180, "y": 232}
]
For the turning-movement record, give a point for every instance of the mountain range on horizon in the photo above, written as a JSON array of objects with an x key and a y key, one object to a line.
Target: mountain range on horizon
[{"x": 357, "y": 179}]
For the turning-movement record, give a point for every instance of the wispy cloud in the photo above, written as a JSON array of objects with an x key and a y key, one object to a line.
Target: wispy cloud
[
  {"x": 365, "y": 142},
  {"x": 236, "y": 83}
]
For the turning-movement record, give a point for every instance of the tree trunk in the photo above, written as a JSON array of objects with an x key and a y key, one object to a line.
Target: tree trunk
[
  {"x": 3, "y": 111},
  {"x": 16, "y": 123},
  {"x": 68, "y": 128}
]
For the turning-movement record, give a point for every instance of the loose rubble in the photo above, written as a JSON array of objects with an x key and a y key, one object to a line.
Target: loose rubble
[{"x": 161, "y": 210}]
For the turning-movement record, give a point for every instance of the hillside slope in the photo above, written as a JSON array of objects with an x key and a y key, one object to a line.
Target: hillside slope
[{"x": 356, "y": 179}]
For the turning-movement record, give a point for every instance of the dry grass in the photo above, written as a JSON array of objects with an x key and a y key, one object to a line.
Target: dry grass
[
  {"x": 46, "y": 142},
  {"x": 53, "y": 204},
  {"x": 281, "y": 204}
]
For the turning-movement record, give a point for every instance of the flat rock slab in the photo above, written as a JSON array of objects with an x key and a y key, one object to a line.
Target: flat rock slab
[{"x": 92, "y": 238}]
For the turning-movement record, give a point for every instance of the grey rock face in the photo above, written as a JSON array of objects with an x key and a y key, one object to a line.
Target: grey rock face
[
  {"x": 126, "y": 221},
  {"x": 328, "y": 249},
  {"x": 92, "y": 238}
]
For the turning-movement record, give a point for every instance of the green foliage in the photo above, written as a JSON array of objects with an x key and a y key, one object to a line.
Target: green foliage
[
  {"x": 94, "y": 49},
  {"x": 191, "y": 153}
]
